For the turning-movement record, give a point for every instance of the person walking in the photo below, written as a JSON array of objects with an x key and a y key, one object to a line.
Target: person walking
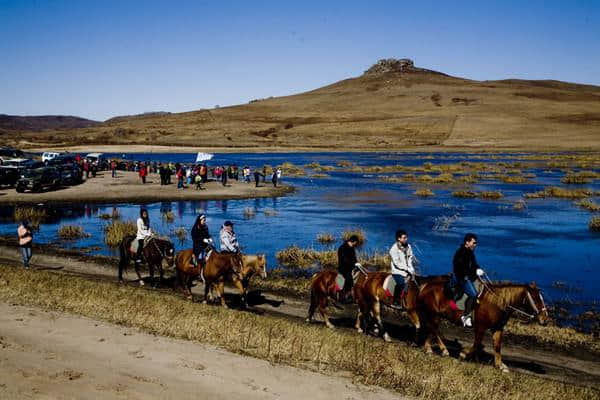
[
  {"x": 113, "y": 168},
  {"x": 143, "y": 172},
  {"x": 257, "y": 177},
  {"x": 224, "y": 175},
  {"x": 25, "y": 239}
]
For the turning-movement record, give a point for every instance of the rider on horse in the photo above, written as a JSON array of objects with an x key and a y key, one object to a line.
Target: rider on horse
[
  {"x": 143, "y": 232},
  {"x": 403, "y": 263},
  {"x": 346, "y": 263},
  {"x": 466, "y": 271},
  {"x": 201, "y": 239},
  {"x": 229, "y": 243}
]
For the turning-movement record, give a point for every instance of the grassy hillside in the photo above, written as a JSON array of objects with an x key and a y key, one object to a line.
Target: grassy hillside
[{"x": 389, "y": 110}]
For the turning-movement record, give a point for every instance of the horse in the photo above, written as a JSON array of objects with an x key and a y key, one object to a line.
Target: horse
[
  {"x": 251, "y": 265},
  {"x": 495, "y": 305},
  {"x": 369, "y": 297},
  {"x": 154, "y": 251},
  {"x": 216, "y": 266}
]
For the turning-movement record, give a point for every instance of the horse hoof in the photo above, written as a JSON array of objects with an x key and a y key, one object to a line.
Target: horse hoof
[
  {"x": 387, "y": 337},
  {"x": 462, "y": 356},
  {"x": 429, "y": 352},
  {"x": 204, "y": 302},
  {"x": 308, "y": 320},
  {"x": 504, "y": 368},
  {"x": 359, "y": 330},
  {"x": 329, "y": 325},
  {"x": 142, "y": 283},
  {"x": 445, "y": 353}
]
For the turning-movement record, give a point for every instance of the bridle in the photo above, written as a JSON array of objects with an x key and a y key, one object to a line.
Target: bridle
[
  {"x": 168, "y": 258},
  {"x": 485, "y": 280}
]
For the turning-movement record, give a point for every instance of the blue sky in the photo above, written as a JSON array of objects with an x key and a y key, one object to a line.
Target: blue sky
[{"x": 99, "y": 59}]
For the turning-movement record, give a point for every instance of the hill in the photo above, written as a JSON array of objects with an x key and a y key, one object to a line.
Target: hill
[
  {"x": 393, "y": 106},
  {"x": 43, "y": 123}
]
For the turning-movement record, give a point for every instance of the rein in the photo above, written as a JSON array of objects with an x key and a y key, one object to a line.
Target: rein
[
  {"x": 158, "y": 248},
  {"x": 486, "y": 284}
]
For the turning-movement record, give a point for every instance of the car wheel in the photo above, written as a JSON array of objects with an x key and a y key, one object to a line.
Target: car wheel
[
  {"x": 36, "y": 188},
  {"x": 20, "y": 189}
]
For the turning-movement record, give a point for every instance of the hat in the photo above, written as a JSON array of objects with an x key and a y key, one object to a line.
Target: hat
[{"x": 228, "y": 223}]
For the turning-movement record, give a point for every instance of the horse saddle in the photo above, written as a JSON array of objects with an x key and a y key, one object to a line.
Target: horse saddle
[
  {"x": 389, "y": 286},
  {"x": 135, "y": 244},
  {"x": 458, "y": 298}
]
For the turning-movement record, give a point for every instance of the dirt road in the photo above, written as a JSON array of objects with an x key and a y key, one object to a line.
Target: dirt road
[{"x": 561, "y": 364}]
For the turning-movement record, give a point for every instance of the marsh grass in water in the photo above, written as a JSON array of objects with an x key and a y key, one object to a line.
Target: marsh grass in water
[
  {"x": 424, "y": 193},
  {"x": 491, "y": 195},
  {"x": 594, "y": 224},
  {"x": 114, "y": 215},
  {"x": 181, "y": 233},
  {"x": 168, "y": 216},
  {"x": 269, "y": 212},
  {"x": 358, "y": 232},
  {"x": 370, "y": 361},
  {"x": 464, "y": 194},
  {"x": 249, "y": 212},
  {"x": 588, "y": 204},
  {"x": 325, "y": 238},
  {"x": 117, "y": 230},
  {"x": 70, "y": 232},
  {"x": 35, "y": 215}
]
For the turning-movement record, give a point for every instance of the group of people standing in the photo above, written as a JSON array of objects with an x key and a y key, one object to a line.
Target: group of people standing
[{"x": 403, "y": 262}]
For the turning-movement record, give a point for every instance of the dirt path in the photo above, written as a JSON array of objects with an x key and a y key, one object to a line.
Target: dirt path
[
  {"x": 566, "y": 365},
  {"x": 127, "y": 187},
  {"x": 60, "y": 356}
]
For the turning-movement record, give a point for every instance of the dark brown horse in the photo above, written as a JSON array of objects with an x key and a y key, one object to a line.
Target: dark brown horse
[
  {"x": 323, "y": 288},
  {"x": 371, "y": 295},
  {"x": 217, "y": 265},
  {"x": 154, "y": 252},
  {"x": 495, "y": 305},
  {"x": 253, "y": 264}
]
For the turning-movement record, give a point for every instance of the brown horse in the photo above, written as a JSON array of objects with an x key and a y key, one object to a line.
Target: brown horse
[
  {"x": 216, "y": 266},
  {"x": 252, "y": 265},
  {"x": 323, "y": 288},
  {"x": 153, "y": 252},
  {"x": 495, "y": 305},
  {"x": 371, "y": 295}
]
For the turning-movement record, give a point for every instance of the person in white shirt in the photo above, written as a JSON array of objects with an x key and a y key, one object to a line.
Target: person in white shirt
[
  {"x": 229, "y": 243},
  {"x": 403, "y": 262},
  {"x": 143, "y": 232}
]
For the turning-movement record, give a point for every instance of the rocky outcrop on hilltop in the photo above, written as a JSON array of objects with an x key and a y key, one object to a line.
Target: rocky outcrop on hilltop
[{"x": 403, "y": 65}]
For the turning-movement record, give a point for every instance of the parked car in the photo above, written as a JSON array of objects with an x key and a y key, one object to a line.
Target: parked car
[
  {"x": 39, "y": 179},
  {"x": 22, "y": 164},
  {"x": 98, "y": 159},
  {"x": 62, "y": 159},
  {"x": 9, "y": 176},
  {"x": 70, "y": 174},
  {"x": 49, "y": 155},
  {"x": 8, "y": 153}
]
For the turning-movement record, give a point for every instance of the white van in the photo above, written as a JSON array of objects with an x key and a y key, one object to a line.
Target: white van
[{"x": 48, "y": 155}]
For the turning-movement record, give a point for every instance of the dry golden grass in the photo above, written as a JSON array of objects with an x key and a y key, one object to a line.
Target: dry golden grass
[
  {"x": 69, "y": 232},
  {"x": 318, "y": 176},
  {"x": 588, "y": 204},
  {"x": 371, "y": 361},
  {"x": 168, "y": 216},
  {"x": 181, "y": 233},
  {"x": 424, "y": 193},
  {"x": 35, "y": 215},
  {"x": 325, "y": 238},
  {"x": 464, "y": 194},
  {"x": 594, "y": 224},
  {"x": 575, "y": 179},
  {"x": 520, "y": 205},
  {"x": 117, "y": 230},
  {"x": 269, "y": 212},
  {"x": 289, "y": 169},
  {"x": 249, "y": 212},
  {"x": 358, "y": 232},
  {"x": 294, "y": 257},
  {"x": 491, "y": 195}
]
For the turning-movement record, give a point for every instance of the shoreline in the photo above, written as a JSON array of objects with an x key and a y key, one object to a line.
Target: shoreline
[
  {"x": 127, "y": 188},
  {"x": 232, "y": 150}
]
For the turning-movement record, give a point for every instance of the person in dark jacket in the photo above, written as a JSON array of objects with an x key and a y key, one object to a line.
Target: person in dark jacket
[
  {"x": 466, "y": 271},
  {"x": 346, "y": 263},
  {"x": 200, "y": 238}
]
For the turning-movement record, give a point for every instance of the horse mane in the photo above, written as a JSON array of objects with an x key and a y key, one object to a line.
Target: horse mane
[{"x": 503, "y": 294}]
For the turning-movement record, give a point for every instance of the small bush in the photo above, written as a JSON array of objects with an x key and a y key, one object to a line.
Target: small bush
[
  {"x": 362, "y": 237},
  {"x": 269, "y": 212},
  {"x": 70, "y": 232},
  {"x": 588, "y": 204},
  {"x": 595, "y": 224},
  {"x": 490, "y": 195},
  {"x": 424, "y": 193},
  {"x": 444, "y": 178},
  {"x": 464, "y": 194},
  {"x": 34, "y": 215},
  {"x": 575, "y": 179},
  {"x": 344, "y": 163},
  {"x": 168, "y": 216},
  {"x": 181, "y": 233},
  {"x": 117, "y": 230},
  {"x": 513, "y": 179},
  {"x": 520, "y": 205},
  {"x": 325, "y": 238}
]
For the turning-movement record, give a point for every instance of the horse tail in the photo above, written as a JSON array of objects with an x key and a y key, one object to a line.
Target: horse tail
[
  {"x": 123, "y": 256},
  {"x": 313, "y": 300}
]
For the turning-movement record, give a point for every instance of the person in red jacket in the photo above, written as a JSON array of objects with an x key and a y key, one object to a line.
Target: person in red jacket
[{"x": 143, "y": 172}]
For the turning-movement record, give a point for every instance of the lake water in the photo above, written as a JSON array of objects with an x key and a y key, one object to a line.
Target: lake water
[{"x": 548, "y": 242}]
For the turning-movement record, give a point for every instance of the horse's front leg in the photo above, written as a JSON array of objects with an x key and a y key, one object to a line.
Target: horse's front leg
[
  {"x": 207, "y": 286},
  {"x": 497, "y": 336},
  {"x": 151, "y": 271}
]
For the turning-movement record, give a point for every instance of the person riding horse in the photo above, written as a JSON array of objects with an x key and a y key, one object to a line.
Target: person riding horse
[
  {"x": 201, "y": 239},
  {"x": 403, "y": 264},
  {"x": 466, "y": 271},
  {"x": 346, "y": 263},
  {"x": 143, "y": 232},
  {"x": 229, "y": 243}
]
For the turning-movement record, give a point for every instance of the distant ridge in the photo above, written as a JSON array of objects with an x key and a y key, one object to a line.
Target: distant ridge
[
  {"x": 43, "y": 122},
  {"x": 142, "y": 115}
]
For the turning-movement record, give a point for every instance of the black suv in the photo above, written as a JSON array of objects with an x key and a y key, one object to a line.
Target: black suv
[
  {"x": 38, "y": 179},
  {"x": 70, "y": 174},
  {"x": 9, "y": 176}
]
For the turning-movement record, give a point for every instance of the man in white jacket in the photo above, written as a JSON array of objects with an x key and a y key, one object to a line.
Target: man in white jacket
[
  {"x": 403, "y": 262},
  {"x": 229, "y": 243}
]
